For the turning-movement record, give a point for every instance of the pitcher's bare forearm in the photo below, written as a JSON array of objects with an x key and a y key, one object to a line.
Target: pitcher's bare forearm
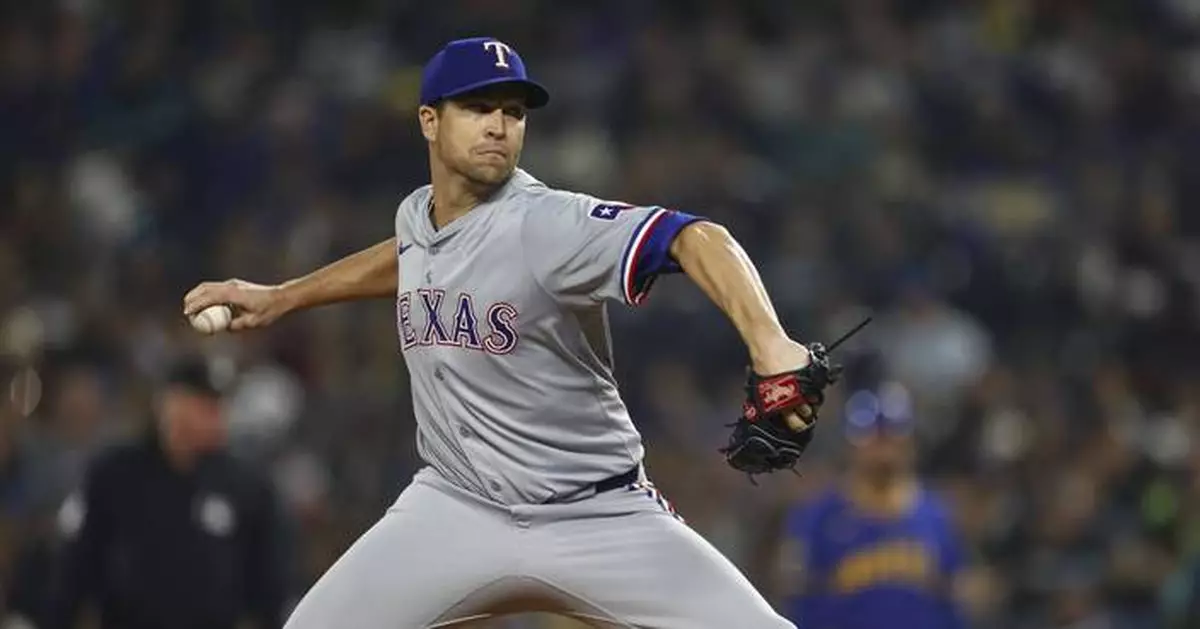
[
  {"x": 372, "y": 273},
  {"x": 368, "y": 274},
  {"x": 709, "y": 255}
]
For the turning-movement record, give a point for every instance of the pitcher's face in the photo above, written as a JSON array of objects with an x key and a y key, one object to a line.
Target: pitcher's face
[{"x": 479, "y": 135}]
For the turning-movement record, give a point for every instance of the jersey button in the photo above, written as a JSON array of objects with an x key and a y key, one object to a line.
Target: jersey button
[
  {"x": 437, "y": 373},
  {"x": 495, "y": 485},
  {"x": 464, "y": 432},
  {"x": 434, "y": 248},
  {"x": 428, "y": 277}
]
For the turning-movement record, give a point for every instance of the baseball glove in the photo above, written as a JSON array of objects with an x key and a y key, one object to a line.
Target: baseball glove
[{"x": 762, "y": 441}]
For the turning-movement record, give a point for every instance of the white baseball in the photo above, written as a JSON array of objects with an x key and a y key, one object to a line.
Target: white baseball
[{"x": 212, "y": 319}]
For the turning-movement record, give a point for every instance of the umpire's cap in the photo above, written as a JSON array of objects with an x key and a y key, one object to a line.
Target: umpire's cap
[
  {"x": 194, "y": 374},
  {"x": 464, "y": 65}
]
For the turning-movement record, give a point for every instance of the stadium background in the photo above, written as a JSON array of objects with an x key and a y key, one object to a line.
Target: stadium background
[{"x": 1009, "y": 185}]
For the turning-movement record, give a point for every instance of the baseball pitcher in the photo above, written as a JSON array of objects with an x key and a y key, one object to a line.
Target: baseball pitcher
[{"x": 533, "y": 496}]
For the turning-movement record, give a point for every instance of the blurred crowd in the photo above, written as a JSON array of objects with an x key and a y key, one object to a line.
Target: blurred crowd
[{"x": 1003, "y": 184}]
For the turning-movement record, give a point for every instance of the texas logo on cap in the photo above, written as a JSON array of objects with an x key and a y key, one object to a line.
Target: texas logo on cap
[{"x": 465, "y": 65}]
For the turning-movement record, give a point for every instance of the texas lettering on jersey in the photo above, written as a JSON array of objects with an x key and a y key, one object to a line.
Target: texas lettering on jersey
[{"x": 455, "y": 323}]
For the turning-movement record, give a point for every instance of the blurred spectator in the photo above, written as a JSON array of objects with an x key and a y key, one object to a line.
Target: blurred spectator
[
  {"x": 877, "y": 547},
  {"x": 168, "y": 530},
  {"x": 77, "y": 419}
]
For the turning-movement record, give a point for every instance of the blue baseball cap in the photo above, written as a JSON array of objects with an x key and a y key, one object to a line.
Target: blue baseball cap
[
  {"x": 465, "y": 65},
  {"x": 885, "y": 411}
]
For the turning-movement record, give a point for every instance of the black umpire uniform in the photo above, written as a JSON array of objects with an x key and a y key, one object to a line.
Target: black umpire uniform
[{"x": 170, "y": 531}]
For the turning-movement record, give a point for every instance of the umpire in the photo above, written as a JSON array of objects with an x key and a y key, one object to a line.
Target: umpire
[{"x": 169, "y": 531}]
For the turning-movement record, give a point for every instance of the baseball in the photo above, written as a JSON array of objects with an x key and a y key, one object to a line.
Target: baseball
[{"x": 212, "y": 319}]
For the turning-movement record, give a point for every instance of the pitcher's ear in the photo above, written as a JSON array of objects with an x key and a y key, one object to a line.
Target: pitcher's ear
[{"x": 429, "y": 117}]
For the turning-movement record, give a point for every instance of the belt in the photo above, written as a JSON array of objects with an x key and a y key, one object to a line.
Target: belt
[
  {"x": 620, "y": 480},
  {"x": 623, "y": 479}
]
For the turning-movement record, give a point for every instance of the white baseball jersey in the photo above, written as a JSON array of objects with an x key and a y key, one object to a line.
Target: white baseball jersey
[{"x": 502, "y": 320}]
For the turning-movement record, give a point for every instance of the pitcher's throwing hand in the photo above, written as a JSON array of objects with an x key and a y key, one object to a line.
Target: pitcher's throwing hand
[{"x": 254, "y": 305}]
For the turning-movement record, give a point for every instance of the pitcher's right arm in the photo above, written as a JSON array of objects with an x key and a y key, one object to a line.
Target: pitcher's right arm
[{"x": 368, "y": 274}]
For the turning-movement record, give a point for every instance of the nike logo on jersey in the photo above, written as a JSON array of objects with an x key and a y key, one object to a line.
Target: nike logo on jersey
[
  {"x": 400, "y": 249},
  {"x": 495, "y": 334}
]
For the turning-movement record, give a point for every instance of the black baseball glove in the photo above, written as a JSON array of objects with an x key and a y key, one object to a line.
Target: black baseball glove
[{"x": 762, "y": 441}]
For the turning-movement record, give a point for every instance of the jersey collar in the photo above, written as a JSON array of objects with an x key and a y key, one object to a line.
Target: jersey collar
[{"x": 516, "y": 184}]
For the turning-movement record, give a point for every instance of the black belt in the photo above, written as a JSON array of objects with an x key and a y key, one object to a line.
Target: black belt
[
  {"x": 620, "y": 480},
  {"x": 623, "y": 479}
]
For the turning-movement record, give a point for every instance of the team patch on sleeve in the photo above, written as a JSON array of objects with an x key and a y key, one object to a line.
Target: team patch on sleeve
[{"x": 608, "y": 211}]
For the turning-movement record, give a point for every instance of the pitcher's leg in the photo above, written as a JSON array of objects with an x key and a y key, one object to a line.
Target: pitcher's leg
[
  {"x": 427, "y": 554},
  {"x": 645, "y": 568}
]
